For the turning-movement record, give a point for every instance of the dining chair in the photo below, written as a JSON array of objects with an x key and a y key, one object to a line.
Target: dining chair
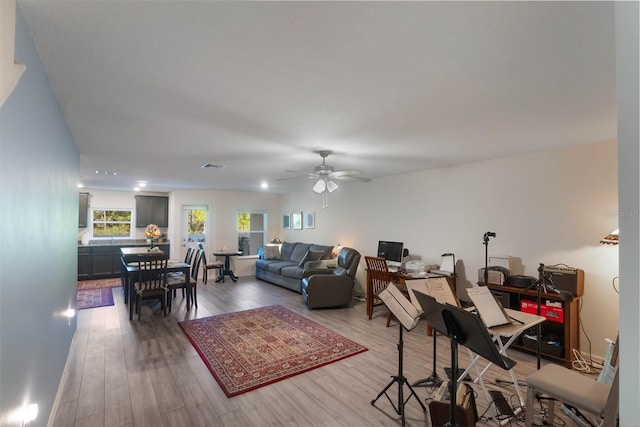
[
  {"x": 206, "y": 266},
  {"x": 180, "y": 282},
  {"x": 378, "y": 277},
  {"x": 150, "y": 281}
]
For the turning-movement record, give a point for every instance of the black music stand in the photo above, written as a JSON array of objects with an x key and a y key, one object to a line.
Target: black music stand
[
  {"x": 434, "y": 379},
  {"x": 433, "y": 312},
  {"x": 401, "y": 380},
  {"x": 468, "y": 329}
]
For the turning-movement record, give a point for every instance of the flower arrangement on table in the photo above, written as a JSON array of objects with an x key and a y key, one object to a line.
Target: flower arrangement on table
[{"x": 152, "y": 232}]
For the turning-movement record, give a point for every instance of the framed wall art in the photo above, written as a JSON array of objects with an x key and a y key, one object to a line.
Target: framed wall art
[
  {"x": 286, "y": 221},
  {"x": 310, "y": 220},
  {"x": 296, "y": 220}
]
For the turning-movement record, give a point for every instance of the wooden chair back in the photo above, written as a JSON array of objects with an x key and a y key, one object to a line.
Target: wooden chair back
[
  {"x": 189, "y": 256},
  {"x": 378, "y": 277},
  {"x": 195, "y": 264},
  {"x": 152, "y": 272}
]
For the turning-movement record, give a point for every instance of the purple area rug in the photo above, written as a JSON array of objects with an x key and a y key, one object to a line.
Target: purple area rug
[
  {"x": 92, "y": 298},
  {"x": 250, "y": 349}
]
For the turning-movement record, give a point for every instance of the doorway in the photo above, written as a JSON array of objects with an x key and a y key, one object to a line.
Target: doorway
[{"x": 195, "y": 220}]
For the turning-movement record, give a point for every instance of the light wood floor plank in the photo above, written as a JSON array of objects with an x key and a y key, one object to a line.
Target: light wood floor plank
[{"x": 146, "y": 372}]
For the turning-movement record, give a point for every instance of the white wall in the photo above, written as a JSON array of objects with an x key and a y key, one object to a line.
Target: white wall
[
  {"x": 627, "y": 53},
  {"x": 550, "y": 207},
  {"x": 223, "y": 216}
]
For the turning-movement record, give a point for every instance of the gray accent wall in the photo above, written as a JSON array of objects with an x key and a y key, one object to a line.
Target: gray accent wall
[{"x": 38, "y": 238}]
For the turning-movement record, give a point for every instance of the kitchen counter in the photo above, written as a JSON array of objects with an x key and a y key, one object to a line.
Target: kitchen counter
[
  {"x": 100, "y": 259},
  {"x": 120, "y": 243}
]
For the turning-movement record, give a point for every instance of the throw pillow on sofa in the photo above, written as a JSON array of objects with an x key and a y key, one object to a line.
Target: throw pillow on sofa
[
  {"x": 271, "y": 252},
  {"x": 311, "y": 256}
]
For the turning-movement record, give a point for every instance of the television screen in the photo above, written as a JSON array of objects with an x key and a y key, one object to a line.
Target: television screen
[{"x": 391, "y": 252}]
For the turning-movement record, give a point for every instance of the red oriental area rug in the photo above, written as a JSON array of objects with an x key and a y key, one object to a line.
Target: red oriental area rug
[
  {"x": 92, "y": 298},
  {"x": 250, "y": 349}
]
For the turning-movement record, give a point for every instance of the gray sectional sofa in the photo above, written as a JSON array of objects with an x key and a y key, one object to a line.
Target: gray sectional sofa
[{"x": 287, "y": 267}]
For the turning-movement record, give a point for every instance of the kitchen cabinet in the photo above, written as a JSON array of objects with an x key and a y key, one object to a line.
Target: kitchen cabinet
[
  {"x": 84, "y": 260},
  {"x": 83, "y": 214},
  {"x": 152, "y": 210},
  {"x": 103, "y": 261}
]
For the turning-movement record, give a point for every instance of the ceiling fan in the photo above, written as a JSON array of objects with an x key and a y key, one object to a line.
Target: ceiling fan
[{"x": 325, "y": 175}]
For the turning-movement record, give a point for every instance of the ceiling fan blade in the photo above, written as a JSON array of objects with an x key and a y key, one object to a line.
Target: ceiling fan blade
[
  {"x": 351, "y": 178},
  {"x": 301, "y": 175},
  {"x": 337, "y": 174}
]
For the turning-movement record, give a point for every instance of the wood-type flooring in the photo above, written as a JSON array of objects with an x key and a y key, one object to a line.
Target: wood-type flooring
[{"x": 146, "y": 373}]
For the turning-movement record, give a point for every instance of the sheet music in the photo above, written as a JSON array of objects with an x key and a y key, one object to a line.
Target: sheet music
[
  {"x": 487, "y": 306},
  {"x": 400, "y": 306},
  {"x": 437, "y": 287},
  {"x": 447, "y": 264}
]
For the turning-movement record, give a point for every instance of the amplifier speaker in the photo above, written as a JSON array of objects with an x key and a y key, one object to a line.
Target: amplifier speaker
[{"x": 567, "y": 279}]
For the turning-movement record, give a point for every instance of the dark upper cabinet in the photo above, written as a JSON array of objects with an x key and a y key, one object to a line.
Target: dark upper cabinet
[
  {"x": 84, "y": 210},
  {"x": 152, "y": 210}
]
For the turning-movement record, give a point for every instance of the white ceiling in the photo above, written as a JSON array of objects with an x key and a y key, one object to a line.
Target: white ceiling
[{"x": 152, "y": 90}]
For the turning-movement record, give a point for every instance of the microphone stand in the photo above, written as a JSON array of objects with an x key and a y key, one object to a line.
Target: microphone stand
[
  {"x": 544, "y": 282},
  {"x": 485, "y": 239}
]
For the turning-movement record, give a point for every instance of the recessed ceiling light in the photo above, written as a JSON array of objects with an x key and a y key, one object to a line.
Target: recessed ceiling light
[
  {"x": 136, "y": 189},
  {"x": 264, "y": 184},
  {"x": 211, "y": 165},
  {"x": 142, "y": 183},
  {"x": 105, "y": 172},
  {"x": 80, "y": 185}
]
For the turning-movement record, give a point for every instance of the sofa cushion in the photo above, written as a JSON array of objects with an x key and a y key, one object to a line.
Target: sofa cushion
[
  {"x": 276, "y": 267},
  {"x": 271, "y": 252},
  {"x": 299, "y": 252},
  {"x": 326, "y": 250},
  {"x": 310, "y": 256},
  {"x": 293, "y": 271},
  {"x": 263, "y": 264},
  {"x": 286, "y": 250}
]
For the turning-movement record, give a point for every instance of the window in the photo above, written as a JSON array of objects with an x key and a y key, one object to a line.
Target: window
[
  {"x": 251, "y": 232},
  {"x": 111, "y": 223}
]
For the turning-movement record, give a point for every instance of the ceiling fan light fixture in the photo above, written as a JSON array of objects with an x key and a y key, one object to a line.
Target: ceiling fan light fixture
[
  {"x": 320, "y": 186},
  {"x": 331, "y": 186}
]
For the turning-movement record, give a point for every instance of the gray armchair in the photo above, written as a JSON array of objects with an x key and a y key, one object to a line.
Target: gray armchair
[{"x": 324, "y": 287}]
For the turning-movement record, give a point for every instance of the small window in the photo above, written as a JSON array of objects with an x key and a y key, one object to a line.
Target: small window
[
  {"x": 251, "y": 232},
  {"x": 108, "y": 223}
]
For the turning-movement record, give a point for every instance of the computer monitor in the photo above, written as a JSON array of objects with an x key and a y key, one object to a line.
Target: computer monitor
[{"x": 391, "y": 252}]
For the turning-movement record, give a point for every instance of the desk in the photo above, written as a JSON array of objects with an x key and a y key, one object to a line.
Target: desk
[
  {"x": 132, "y": 255},
  {"x": 510, "y": 332},
  {"x": 226, "y": 271}
]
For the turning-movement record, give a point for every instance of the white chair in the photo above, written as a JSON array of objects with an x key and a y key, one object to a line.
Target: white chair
[{"x": 576, "y": 391}]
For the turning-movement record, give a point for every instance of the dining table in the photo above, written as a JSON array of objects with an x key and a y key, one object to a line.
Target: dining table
[
  {"x": 130, "y": 258},
  {"x": 226, "y": 270}
]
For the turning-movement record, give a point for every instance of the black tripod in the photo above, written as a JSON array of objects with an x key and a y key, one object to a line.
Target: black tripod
[
  {"x": 432, "y": 380},
  {"x": 544, "y": 284},
  {"x": 401, "y": 380}
]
